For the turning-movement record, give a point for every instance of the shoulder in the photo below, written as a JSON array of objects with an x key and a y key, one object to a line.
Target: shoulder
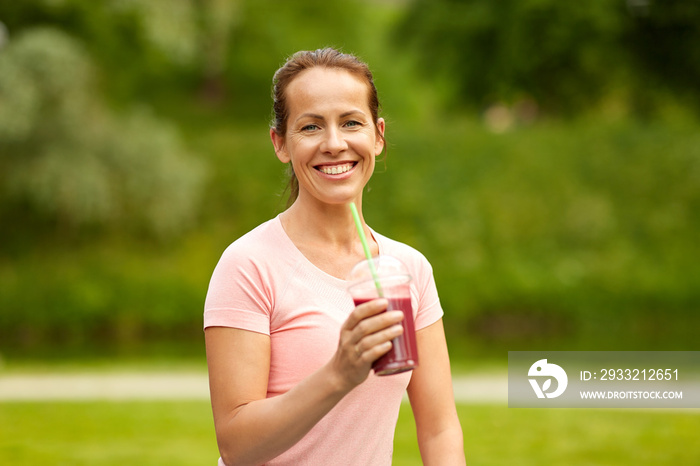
[
  {"x": 264, "y": 238},
  {"x": 261, "y": 248},
  {"x": 261, "y": 235}
]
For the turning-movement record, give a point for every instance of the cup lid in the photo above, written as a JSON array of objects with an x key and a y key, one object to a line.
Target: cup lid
[{"x": 384, "y": 265}]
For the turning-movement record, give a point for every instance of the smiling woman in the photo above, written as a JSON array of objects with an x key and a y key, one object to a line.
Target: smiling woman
[
  {"x": 331, "y": 138},
  {"x": 329, "y": 59},
  {"x": 300, "y": 389}
]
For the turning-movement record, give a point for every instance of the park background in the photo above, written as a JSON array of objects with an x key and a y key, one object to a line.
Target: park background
[{"x": 543, "y": 155}]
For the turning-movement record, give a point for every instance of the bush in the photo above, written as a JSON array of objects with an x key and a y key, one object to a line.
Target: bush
[
  {"x": 71, "y": 161},
  {"x": 580, "y": 233}
]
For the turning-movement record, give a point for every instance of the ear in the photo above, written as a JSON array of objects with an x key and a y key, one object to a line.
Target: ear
[
  {"x": 379, "y": 144},
  {"x": 280, "y": 146}
]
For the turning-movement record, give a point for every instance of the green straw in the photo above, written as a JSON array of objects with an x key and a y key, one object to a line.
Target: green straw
[{"x": 365, "y": 246}]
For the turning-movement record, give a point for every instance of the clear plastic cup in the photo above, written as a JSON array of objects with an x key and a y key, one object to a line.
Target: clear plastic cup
[{"x": 394, "y": 280}]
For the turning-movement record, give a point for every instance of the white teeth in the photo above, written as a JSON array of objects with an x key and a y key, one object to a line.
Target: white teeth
[{"x": 336, "y": 169}]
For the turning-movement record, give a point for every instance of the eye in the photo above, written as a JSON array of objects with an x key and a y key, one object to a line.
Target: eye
[
  {"x": 353, "y": 123},
  {"x": 309, "y": 128}
]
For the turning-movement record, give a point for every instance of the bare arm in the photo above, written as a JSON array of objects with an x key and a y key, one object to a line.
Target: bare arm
[
  {"x": 430, "y": 391},
  {"x": 251, "y": 428}
]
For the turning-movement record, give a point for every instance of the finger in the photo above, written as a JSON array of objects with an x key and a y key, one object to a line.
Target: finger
[
  {"x": 365, "y": 310},
  {"x": 375, "y": 342},
  {"x": 376, "y": 323},
  {"x": 375, "y": 352},
  {"x": 358, "y": 351}
]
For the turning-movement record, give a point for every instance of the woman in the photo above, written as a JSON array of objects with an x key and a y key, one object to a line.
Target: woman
[{"x": 289, "y": 355}]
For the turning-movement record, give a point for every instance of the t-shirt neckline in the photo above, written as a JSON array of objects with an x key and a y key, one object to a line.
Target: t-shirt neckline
[{"x": 311, "y": 265}]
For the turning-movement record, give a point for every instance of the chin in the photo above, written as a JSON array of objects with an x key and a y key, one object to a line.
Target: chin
[{"x": 339, "y": 199}]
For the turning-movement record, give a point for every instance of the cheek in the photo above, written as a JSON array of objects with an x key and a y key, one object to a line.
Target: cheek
[
  {"x": 371, "y": 163},
  {"x": 301, "y": 148},
  {"x": 365, "y": 142}
]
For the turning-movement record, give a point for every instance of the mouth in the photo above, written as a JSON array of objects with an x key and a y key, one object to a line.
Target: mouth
[{"x": 337, "y": 169}]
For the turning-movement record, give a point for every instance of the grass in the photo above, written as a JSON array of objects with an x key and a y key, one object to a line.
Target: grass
[
  {"x": 498, "y": 435},
  {"x": 181, "y": 433},
  {"x": 104, "y": 433}
]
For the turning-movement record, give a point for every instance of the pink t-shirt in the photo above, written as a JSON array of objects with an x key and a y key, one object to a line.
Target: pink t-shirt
[{"x": 264, "y": 284}]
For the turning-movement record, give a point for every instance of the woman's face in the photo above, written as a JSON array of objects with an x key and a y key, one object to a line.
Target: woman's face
[{"x": 331, "y": 139}]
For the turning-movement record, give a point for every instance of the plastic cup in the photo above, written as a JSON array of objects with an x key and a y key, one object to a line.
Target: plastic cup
[{"x": 394, "y": 285}]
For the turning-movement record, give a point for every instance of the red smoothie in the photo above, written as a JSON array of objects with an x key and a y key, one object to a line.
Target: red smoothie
[{"x": 403, "y": 355}]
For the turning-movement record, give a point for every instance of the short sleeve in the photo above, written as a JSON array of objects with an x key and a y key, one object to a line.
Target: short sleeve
[
  {"x": 429, "y": 307},
  {"x": 239, "y": 292}
]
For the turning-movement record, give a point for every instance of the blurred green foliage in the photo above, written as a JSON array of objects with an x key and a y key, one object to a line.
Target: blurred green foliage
[
  {"x": 574, "y": 234},
  {"x": 542, "y": 156},
  {"x": 68, "y": 159},
  {"x": 566, "y": 57}
]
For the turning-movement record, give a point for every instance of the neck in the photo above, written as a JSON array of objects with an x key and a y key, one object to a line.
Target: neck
[
  {"x": 327, "y": 236},
  {"x": 330, "y": 226}
]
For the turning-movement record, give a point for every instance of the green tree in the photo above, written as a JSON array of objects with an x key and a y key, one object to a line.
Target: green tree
[
  {"x": 141, "y": 47},
  {"x": 222, "y": 50},
  {"x": 664, "y": 41},
  {"x": 567, "y": 56},
  {"x": 66, "y": 158}
]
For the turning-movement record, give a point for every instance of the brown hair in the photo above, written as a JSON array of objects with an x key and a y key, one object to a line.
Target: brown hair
[{"x": 303, "y": 60}]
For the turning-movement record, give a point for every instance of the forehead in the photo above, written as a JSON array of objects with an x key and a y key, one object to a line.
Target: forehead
[{"x": 326, "y": 87}]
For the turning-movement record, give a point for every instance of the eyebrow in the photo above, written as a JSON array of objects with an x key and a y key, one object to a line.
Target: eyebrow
[
  {"x": 351, "y": 112},
  {"x": 316, "y": 116}
]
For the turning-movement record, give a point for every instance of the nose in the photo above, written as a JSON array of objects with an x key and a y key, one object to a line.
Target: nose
[{"x": 334, "y": 142}]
